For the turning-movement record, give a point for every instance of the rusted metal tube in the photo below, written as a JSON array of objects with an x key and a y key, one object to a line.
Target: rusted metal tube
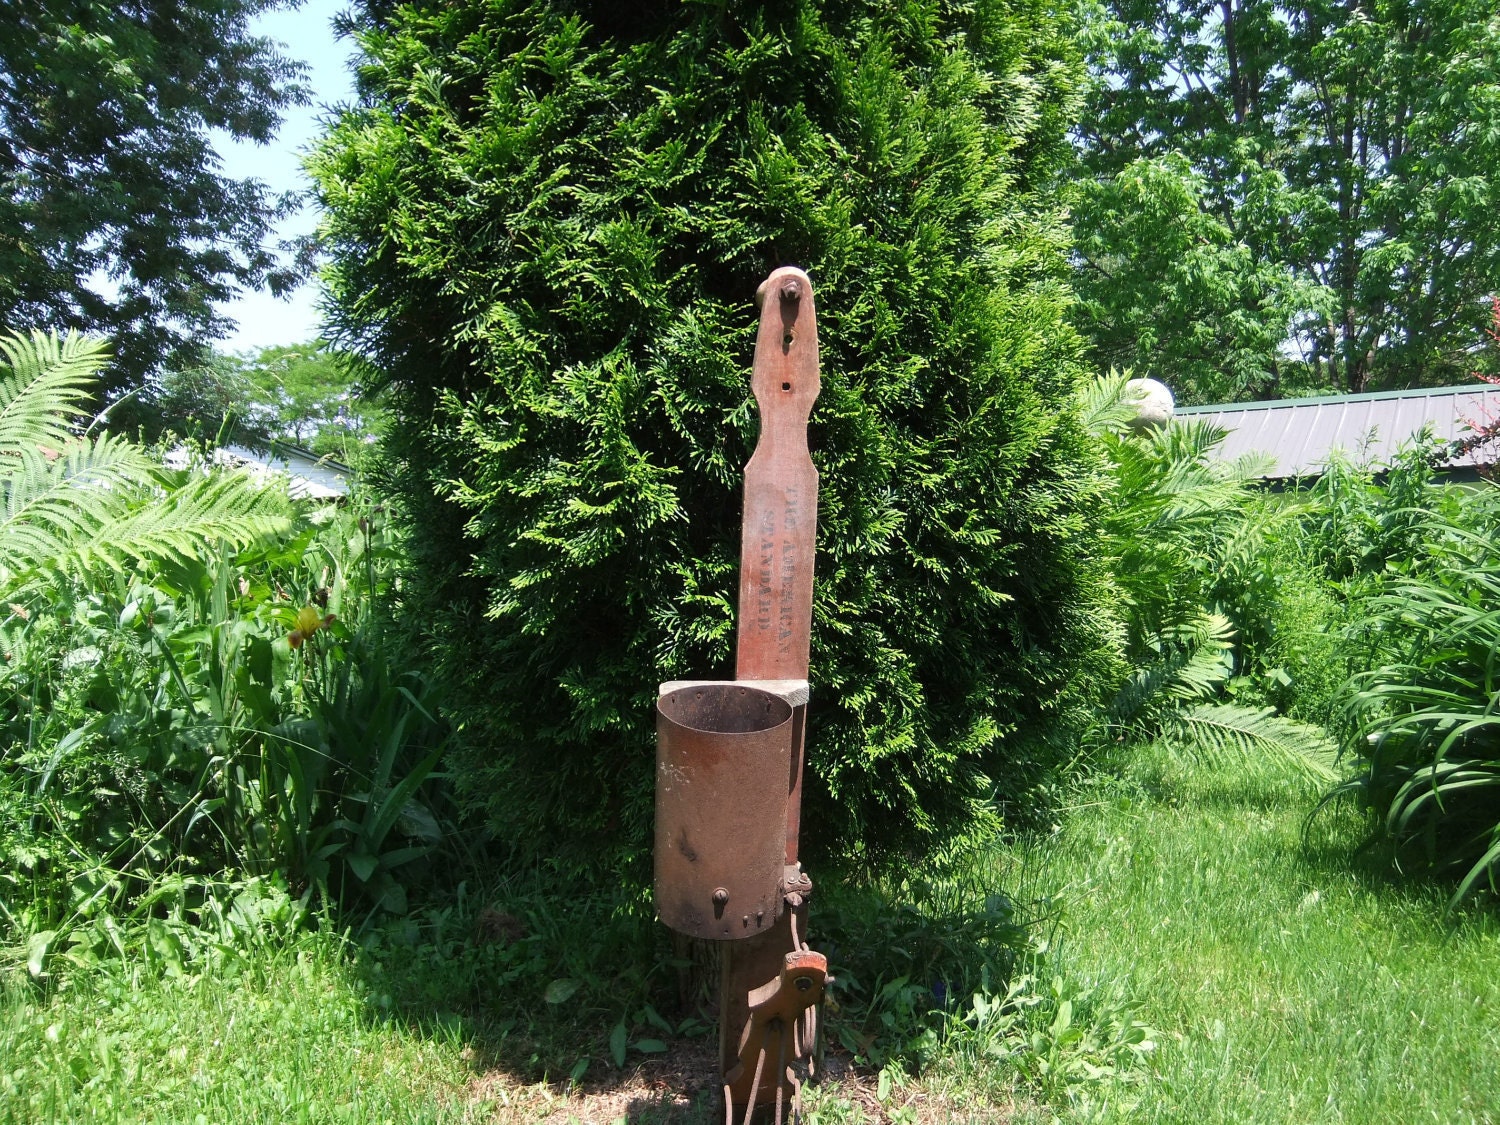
[{"x": 723, "y": 753}]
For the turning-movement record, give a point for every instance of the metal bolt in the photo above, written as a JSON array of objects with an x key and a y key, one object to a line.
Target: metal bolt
[
  {"x": 746, "y": 921},
  {"x": 803, "y": 983},
  {"x": 791, "y": 291},
  {"x": 721, "y": 895}
]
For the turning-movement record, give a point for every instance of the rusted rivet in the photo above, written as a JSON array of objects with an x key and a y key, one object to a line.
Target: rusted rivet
[
  {"x": 746, "y": 921},
  {"x": 721, "y": 895},
  {"x": 759, "y": 914}
]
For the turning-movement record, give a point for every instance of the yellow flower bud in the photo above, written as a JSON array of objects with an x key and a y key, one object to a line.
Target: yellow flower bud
[{"x": 309, "y": 621}]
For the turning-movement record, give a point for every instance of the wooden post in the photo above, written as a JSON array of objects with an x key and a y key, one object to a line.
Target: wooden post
[{"x": 777, "y": 546}]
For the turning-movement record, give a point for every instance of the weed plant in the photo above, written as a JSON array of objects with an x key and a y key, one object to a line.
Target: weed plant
[{"x": 194, "y": 696}]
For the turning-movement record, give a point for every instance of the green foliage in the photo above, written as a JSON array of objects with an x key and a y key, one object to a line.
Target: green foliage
[
  {"x": 96, "y": 505},
  {"x": 305, "y": 394},
  {"x": 1195, "y": 554},
  {"x": 1074, "y": 1042},
  {"x": 164, "y": 727},
  {"x": 1177, "y": 525},
  {"x": 200, "y": 403},
  {"x": 1423, "y": 722},
  {"x": 1366, "y": 520},
  {"x": 107, "y": 169},
  {"x": 1168, "y": 288},
  {"x": 1224, "y": 735},
  {"x": 1326, "y": 168},
  {"x": 314, "y": 396},
  {"x": 174, "y": 712},
  {"x": 546, "y": 225}
]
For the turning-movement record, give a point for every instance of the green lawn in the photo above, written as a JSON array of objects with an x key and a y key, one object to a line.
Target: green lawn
[
  {"x": 1284, "y": 983},
  {"x": 290, "y": 1040},
  {"x": 1288, "y": 985}
]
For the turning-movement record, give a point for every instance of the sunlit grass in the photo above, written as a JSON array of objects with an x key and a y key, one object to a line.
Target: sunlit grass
[
  {"x": 1289, "y": 985},
  {"x": 1287, "y": 982},
  {"x": 288, "y": 1039}
]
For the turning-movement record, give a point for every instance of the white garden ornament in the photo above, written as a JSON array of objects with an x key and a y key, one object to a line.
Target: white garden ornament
[{"x": 1152, "y": 401}]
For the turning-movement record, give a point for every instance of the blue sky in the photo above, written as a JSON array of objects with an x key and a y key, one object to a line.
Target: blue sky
[{"x": 307, "y": 35}]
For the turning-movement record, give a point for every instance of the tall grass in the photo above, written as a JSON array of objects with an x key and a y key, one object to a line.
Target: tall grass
[{"x": 1287, "y": 985}]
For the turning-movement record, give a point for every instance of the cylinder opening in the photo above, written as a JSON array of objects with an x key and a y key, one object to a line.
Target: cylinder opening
[{"x": 727, "y": 708}]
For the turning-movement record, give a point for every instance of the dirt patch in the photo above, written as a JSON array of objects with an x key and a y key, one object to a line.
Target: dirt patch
[{"x": 681, "y": 1088}]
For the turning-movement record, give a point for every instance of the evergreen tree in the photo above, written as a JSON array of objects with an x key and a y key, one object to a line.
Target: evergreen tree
[{"x": 546, "y": 225}]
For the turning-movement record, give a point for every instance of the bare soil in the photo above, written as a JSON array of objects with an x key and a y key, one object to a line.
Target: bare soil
[{"x": 681, "y": 1088}]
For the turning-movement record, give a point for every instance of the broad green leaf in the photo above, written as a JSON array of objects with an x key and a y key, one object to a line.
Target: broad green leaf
[
  {"x": 37, "y": 947},
  {"x": 617, "y": 1039}
]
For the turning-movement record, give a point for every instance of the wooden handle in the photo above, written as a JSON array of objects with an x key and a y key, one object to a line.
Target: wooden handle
[{"x": 781, "y": 487}]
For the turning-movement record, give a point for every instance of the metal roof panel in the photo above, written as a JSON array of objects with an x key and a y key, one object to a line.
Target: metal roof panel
[{"x": 1301, "y": 434}]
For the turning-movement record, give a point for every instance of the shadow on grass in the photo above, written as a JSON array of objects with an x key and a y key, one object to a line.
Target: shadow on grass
[
  {"x": 1333, "y": 842},
  {"x": 542, "y": 990}
]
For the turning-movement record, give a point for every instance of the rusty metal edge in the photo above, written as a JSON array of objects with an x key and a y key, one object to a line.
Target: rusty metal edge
[{"x": 794, "y": 692}]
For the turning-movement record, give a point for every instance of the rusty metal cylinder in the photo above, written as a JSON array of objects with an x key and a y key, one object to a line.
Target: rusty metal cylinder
[{"x": 723, "y": 751}]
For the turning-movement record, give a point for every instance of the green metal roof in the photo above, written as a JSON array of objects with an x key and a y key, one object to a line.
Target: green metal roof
[{"x": 1300, "y": 434}]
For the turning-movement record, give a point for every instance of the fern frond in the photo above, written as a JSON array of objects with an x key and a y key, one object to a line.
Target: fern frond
[
  {"x": 224, "y": 510},
  {"x": 1103, "y": 405},
  {"x": 102, "y": 506},
  {"x": 43, "y": 386},
  {"x": 71, "y": 505},
  {"x": 1202, "y": 641},
  {"x": 1190, "y": 665},
  {"x": 1228, "y": 737},
  {"x": 48, "y": 507}
]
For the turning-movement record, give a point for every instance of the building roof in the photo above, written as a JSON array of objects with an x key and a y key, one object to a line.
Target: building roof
[
  {"x": 1301, "y": 433},
  {"x": 308, "y": 476}
]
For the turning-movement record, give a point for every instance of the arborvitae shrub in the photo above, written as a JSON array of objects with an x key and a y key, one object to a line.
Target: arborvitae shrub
[{"x": 547, "y": 223}]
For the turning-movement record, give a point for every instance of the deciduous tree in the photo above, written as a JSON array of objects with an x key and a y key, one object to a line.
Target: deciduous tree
[
  {"x": 114, "y": 216},
  {"x": 1344, "y": 150}
]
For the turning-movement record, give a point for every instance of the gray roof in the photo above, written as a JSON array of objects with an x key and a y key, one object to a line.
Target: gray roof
[
  {"x": 1300, "y": 433},
  {"x": 308, "y": 476}
]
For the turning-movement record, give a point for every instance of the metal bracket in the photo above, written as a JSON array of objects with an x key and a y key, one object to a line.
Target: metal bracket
[{"x": 783, "y": 1009}]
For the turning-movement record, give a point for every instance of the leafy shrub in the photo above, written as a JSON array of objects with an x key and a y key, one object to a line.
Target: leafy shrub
[
  {"x": 1423, "y": 723},
  {"x": 192, "y": 686},
  {"x": 546, "y": 224},
  {"x": 1177, "y": 522},
  {"x": 1342, "y": 541},
  {"x": 1194, "y": 552},
  {"x": 1366, "y": 519}
]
